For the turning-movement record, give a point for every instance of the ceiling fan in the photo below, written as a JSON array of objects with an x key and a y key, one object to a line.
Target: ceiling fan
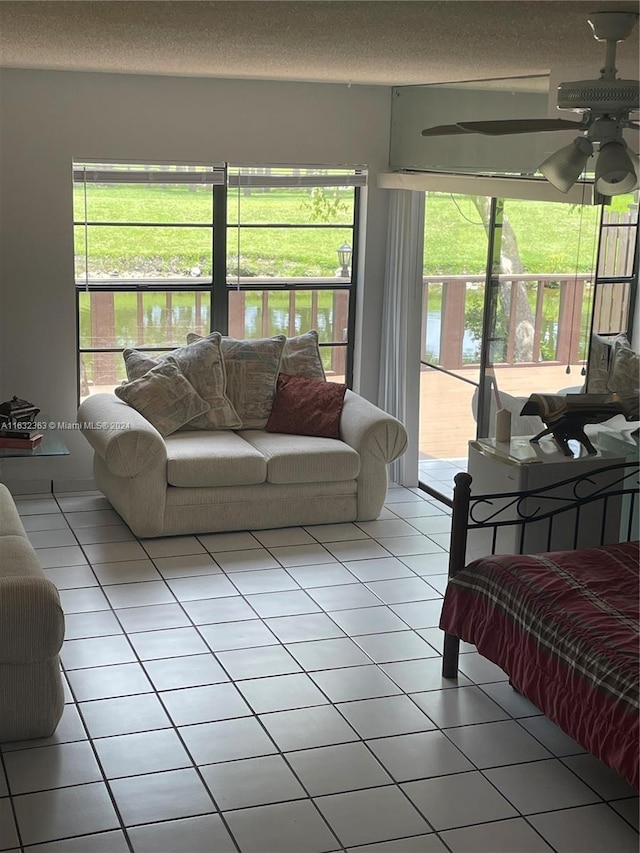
[{"x": 606, "y": 105}]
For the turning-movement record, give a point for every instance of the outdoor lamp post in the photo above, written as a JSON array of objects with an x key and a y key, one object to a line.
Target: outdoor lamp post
[{"x": 344, "y": 257}]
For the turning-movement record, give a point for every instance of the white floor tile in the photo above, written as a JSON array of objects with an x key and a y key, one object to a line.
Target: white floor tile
[
  {"x": 127, "y": 571},
  {"x": 190, "y": 671},
  {"x": 374, "y": 814},
  {"x": 51, "y": 538},
  {"x": 401, "y": 590},
  {"x": 161, "y": 796},
  {"x": 69, "y": 555},
  {"x": 209, "y": 611},
  {"x": 191, "y": 705},
  {"x": 96, "y": 651},
  {"x": 307, "y": 727},
  {"x": 629, "y": 809},
  {"x": 189, "y": 566},
  {"x": 309, "y": 626},
  {"x": 45, "y": 767},
  {"x": 105, "y": 682},
  {"x": 36, "y": 506},
  {"x": 336, "y": 532},
  {"x": 380, "y": 568},
  {"x": 71, "y": 577},
  {"x": 283, "y": 536},
  {"x": 227, "y": 740},
  {"x": 358, "y": 549},
  {"x": 286, "y": 827},
  {"x": 541, "y": 786},
  {"x": 124, "y": 715},
  {"x": 224, "y": 636},
  {"x": 172, "y": 546},
  {"x": 405, "y": 546},
  {"x": 495, "y": 744},
  {"x": 420, "y": 614},
  {"x": 458, "y": 800},
  {"x": 152, "y": 617},
  {"x": 105, "y": 842},
  {"x": 65, "y": 812},
  {"x": 138, "y": 594},
  {"x": 8, "y": 834},
  {"x": 416, "y": 844},
  {"x": 207, "y": 586},
  {"x": 513, "y": 702},
  {"x": 265, "y": 580},
  {"x": 104, "y": 533},
  {"x": 387, "y": 528},
  {"x": 92, "y": 518},
  {"x": 338, "y": 768},
  {"x": 219, "y": 542},
  {"x": 143, "y": 752},
  {"x": 325, "y": 574},
  {"x": 246, "y": 560},
  {"x": 414, "y": 676},
  {"x": 551, "y": 736},
  {"x": 288, "y": 603},
  {"x": 419, "y": 756},
  {"x": 196, "y": 834},
  {"x": 44, "y": 521},
  {"x": 461, "y": 707},
  {"x": 603, "y": 780},
  {"x": 356, "y": 682},
  {"x": 257, "y": 662},
  {"x": 153, "y": 645},
  {"x": 427, "y": 564},
  {"x": 480, "y": 670},
  {"x": 69, "y": 729},
  {"x": 302, "y": 555},
  {"x": 504, "y": 836},
  {"x": 368, "y": 620},
  {"x": 590, "y": 829},
  {"x": 398, "y": 645},
  {"x": 252, "y": 782},
  {"x": 281, "y": 693},
  {"x": 387, "y": 715},
  {"x": 344, "y": 597},
  {"x": 114, "y": 552},
  {"x": 326, "y": 654}
]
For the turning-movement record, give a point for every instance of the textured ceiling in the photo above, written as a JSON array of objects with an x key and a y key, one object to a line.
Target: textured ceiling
[{"x": 361, "y": 42}]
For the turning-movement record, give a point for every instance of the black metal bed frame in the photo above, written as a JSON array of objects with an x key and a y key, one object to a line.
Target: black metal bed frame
[{"x": 560, "y": 503}]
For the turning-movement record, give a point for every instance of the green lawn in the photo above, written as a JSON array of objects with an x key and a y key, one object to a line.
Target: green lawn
[{"x": 455, "y": 241}]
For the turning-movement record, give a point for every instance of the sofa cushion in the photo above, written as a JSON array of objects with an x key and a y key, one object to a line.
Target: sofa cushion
[
  {"x": 303, "y": 458},
  {"x": 213, "y": 458},
  {"x": 301, "y": 356},
  {"x": 164, "y": 397},
  {"x": 307, "y": 407},
  {"x": 202, "y": 364}
]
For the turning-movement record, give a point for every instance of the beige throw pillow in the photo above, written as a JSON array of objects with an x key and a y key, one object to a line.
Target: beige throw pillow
[
  {"x": 164, "y": 397},
  {"x": 252, "y": 370},
  {"x": 301, "y": 357},
  {"x": 202, "y": 364},
  {"x": 624, "y": 373}
]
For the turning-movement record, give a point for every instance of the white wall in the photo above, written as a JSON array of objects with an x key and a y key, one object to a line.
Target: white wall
[{"x": 49, "y": 118}]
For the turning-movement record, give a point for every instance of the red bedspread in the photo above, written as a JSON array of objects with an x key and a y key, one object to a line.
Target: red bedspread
[{"x": 564, "y": 627}]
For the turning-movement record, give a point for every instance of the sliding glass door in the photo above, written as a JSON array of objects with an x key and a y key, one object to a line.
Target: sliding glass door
[{"x": 509, "y": 293}]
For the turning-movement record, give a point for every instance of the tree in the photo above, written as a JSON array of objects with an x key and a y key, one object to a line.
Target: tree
[{"x": 510, "y": 264}]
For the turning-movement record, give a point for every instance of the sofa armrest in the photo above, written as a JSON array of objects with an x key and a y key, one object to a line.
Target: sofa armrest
[
  {"x": 121, "y": 436},
  {"x": 31, "y": 618},
  {"x": 369, "y": 429}
]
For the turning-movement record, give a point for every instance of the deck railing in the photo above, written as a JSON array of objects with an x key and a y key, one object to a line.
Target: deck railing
[{"x": 569, "y": 318}]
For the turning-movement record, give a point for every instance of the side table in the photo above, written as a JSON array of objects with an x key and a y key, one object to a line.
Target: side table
[{"x": 519, "y": 466}]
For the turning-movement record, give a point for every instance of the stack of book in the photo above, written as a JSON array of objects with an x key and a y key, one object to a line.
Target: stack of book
[{"x": 19, "y": 439}]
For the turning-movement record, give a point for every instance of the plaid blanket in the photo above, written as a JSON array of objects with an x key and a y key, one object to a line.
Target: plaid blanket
[{"x": 565, "y": 627}]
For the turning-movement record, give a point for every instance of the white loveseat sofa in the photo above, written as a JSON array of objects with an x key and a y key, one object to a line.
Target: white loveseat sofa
[{"x": 221, "y": 480}]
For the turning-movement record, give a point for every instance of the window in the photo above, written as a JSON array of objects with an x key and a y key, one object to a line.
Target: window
[{"x": 163, "y": 250}]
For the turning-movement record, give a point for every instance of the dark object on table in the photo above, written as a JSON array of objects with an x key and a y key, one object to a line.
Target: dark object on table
[
  {"x": 566, "y": 415},
  {"x": 16, "y": 414}
]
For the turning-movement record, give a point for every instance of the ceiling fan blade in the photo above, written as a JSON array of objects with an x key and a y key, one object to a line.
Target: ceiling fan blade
[
  {"x": 524, "y": 125},
  {"x": 444, "y": 130}
]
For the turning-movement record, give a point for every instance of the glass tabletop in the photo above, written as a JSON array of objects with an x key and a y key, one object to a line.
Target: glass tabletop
[{"x": 51, "y": 445}]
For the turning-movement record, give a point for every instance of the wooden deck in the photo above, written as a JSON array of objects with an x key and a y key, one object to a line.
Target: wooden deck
[{"x": 446, "y": 420}]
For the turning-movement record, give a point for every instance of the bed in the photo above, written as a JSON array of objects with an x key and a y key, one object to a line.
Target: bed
[{"x": 562, "y": 624}]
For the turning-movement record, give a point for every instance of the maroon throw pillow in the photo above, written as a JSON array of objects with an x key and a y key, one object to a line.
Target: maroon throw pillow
[{"x": 307, "y": 407}]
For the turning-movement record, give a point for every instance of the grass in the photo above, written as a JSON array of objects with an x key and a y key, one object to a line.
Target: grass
[{"x": 455, "y": 242}]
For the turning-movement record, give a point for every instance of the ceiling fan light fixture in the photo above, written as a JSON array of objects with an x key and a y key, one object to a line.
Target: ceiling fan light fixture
[
  {"x": 564, "y": 167},
  {"x": 616, "y": 173}
]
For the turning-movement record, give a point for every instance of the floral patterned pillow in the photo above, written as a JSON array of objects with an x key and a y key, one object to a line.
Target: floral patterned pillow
[
  {"x": 164, "y": 397},
  {"x": 202, "y": 364},
  {"x": 301, "y": 357}
]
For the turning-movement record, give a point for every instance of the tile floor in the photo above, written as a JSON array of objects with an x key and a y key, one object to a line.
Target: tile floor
[{"x": 280, "y": 692}]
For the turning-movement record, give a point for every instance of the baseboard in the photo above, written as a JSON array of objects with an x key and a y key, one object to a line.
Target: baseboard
[
  {"x": 85, "y": 484},
  {"x": 46, "y": 487}
]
